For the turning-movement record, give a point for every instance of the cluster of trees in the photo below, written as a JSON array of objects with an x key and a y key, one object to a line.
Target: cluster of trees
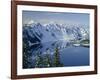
[
  {"x": 47, "y": 61},
  {"x": 41, "y": 60},
  {"x": 26, "y": 55}
]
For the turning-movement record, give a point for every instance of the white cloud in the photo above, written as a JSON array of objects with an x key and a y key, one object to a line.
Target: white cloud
[{"x": 31, "y": 21}]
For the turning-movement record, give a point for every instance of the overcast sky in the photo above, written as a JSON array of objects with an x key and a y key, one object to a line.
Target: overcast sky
[{"x": 56, "y": 17}]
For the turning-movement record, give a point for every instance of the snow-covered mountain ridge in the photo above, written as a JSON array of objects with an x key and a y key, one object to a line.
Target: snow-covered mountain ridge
[{"x": 41, "y": 33}]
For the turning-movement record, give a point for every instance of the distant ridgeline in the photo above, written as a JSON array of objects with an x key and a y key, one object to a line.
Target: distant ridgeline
[{"x": 53, "y": 32}]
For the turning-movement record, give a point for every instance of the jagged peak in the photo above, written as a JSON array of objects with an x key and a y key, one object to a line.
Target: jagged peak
[{"x": 33, "y": 23}]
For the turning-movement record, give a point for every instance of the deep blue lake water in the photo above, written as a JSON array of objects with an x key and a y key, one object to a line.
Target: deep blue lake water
[
  {"x": 75, "y": 56},
  {"x": 70, "y": 55}
]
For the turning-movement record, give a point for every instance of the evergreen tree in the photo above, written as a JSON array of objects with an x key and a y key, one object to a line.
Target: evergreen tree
[
  {"x": 26, "y": 55},
  {"x": 39, "y": 60},
  {"x": 57, "y": 62},
  {"x": 47, "y": 60}
]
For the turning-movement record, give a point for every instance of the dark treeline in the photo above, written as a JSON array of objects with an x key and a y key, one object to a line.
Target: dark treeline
[{"x": 41, "y": 60}]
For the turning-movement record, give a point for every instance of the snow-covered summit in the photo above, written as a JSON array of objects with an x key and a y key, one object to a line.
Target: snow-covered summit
[{"x": 39, "y": 32}]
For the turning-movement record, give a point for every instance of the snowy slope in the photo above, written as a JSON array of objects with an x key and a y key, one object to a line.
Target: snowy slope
[{"x": 41, "y": 33}]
